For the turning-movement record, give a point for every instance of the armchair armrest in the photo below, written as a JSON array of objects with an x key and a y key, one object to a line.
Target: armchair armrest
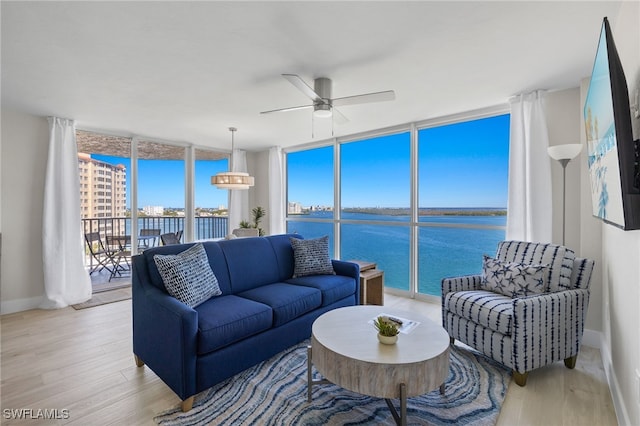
[
  {"x": 548, "y": 327},
  {"x": 463, "y": 283},
  {"x": 164, "y": 333}
]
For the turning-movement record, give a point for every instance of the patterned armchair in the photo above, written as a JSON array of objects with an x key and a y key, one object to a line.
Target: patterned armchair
[{"x": 512, "y": 315}]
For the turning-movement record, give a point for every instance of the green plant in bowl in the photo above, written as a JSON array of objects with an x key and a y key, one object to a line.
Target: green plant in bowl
[{"x": 385, "y": 327}]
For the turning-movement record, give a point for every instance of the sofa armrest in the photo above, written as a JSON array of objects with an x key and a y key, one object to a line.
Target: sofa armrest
[
  {"x": 548, "y": 327},
  {"x": 348, "y": 269},
  {"x": 164, "y": 332}
]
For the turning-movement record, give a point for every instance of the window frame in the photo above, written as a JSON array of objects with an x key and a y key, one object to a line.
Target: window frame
[{"x": 414, "y": 223}]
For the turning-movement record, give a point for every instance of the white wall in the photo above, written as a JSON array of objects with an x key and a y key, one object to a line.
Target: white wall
[
  {"x": 582, "y": 232},
  {"x": 258, "y": 164},
  {"x": 621, "y": 257},
  {"x": 24, "y": 158}
]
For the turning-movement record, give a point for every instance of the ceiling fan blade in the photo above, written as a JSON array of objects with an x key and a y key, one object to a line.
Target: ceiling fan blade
[
  {"x": 387, "y": 95},
  {"x": 287, "y": 109},
  {"x": 302, "y": 86},
  {"x": 339, "y": 117}
]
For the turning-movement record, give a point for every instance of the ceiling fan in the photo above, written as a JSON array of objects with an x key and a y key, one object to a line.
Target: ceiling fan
[{"x": 323, "y": 104}]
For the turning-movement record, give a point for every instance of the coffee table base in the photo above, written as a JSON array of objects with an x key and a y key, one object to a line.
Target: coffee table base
[{"x": 400, "y": 418}]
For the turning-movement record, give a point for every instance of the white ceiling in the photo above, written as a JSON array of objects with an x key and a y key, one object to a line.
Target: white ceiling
[{"x": 186, "y": 71}]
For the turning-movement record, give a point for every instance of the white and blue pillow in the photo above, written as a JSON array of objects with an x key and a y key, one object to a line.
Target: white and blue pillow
[
  {"x": 187, "y": 276},
  {"x": 513, "y": 279},
  {"x": 311, "y": 257}
]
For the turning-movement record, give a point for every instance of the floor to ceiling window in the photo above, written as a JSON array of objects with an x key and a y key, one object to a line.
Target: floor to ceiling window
[
  {"x": 310, "y": 193},
  {"x": 462, "y": 181},
  {"x": 423, "y": 202},
  {"x": 211, "y": 203},
  {"x": 375, "y": 212}
]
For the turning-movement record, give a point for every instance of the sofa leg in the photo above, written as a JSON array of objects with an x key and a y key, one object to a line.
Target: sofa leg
[
  {"x": 139, "y": 362},
  {"x": 187, "y": 404},
  {"x": 520, "y": 378},
  {"x": 571, "y": 361}
]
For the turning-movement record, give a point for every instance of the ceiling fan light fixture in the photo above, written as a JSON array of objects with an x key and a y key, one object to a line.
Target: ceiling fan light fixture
[
  {"x": 322, "y": 111},
  {"x": 232, "y": 180}
]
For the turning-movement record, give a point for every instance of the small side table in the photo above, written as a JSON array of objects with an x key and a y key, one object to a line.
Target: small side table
[{"x": 371, "y": 283}]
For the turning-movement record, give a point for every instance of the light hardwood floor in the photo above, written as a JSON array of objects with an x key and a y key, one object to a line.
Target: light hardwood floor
[{"x": 81, "y": 361}]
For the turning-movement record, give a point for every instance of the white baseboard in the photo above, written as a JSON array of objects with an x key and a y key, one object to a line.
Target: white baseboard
[
  {"x": 11, "y": 306},
  {"x": 592, "y": 338},
  {"x": 595, "y": 339}
]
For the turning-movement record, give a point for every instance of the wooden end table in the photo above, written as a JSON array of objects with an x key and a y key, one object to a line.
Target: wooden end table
[
  {"x": 371, "y": 283},
  {"x": 345, "y": 351}
]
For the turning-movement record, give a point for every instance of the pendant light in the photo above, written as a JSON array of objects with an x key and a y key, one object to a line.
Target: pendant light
[{"x": 231, "y": 179}]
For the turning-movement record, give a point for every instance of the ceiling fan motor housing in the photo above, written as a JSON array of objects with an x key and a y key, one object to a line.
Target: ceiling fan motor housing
[{"x": 322, "y": 106}]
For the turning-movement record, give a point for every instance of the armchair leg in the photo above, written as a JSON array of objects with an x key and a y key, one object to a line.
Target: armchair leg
[
  {"x": 139, "y": 362},
  {"x": 571, "y": 361},
  {"x": 520, "y": 378},
  {"x": 187, "y": 404}
]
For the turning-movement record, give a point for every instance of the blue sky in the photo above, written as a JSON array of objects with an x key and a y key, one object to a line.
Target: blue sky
[
  {"x": 460, "y": 165},
  {"x": 161, "y": 182}
]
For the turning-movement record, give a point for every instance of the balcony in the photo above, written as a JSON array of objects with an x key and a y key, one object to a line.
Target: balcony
[{"x": 206, "y": 227}]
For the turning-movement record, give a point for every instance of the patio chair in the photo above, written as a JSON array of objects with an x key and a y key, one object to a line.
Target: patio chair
[
  {"x": 151, "y": 240},
  {"x": 169, "y": 239},
  {"x": 179, "y": 235},
  {"x": 99, "y": 253},
  {"x": 120, "y": 253},
  {"x": 526, "y": 310}
]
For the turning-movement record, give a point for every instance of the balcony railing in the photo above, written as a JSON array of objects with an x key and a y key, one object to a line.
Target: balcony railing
[{"x": 206, "y": 227}]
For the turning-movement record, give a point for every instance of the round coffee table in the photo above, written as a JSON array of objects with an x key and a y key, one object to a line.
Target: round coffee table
[{"x": 345, "y": 350}]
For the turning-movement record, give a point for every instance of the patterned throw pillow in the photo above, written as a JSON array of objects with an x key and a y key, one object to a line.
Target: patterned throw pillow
[
  {"x": 513, "y": 279},
  {"x": 311, "y": 257},
  {"x": 187, "y": 276}
]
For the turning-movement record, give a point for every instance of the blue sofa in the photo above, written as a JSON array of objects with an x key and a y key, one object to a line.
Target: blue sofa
[{"x": 262, "y": 311}]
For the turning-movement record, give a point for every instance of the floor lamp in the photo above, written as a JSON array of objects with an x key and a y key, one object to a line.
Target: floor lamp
[{"x": 563, "y": 154}]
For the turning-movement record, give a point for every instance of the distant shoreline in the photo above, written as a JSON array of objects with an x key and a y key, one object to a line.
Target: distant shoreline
[
  {"x": 437, "y": 211},
  {"x": 445, "y": 211}
]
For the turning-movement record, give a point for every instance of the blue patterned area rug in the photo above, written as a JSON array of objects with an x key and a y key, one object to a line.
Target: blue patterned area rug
[{"x": 274, "y": 392}]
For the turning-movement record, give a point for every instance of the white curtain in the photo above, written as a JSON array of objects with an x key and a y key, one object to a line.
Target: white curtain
[
  {"x": 66, "y": 281},
  {"x": 239, "y": 198},
  {"x": 529, "y": 193},
  {"x": 276, "y": 192}
]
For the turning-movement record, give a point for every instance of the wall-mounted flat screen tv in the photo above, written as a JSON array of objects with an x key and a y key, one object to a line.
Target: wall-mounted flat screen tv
[{"x": 612, "y": 152}]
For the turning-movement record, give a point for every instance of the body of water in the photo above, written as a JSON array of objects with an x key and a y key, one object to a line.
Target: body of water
[{"x": 443, "y": 251}]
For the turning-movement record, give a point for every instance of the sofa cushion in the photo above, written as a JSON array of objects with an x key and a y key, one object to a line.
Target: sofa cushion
[
  {"x": 187, "y": 276},
  {"x": 251, "y": 261},
  {"x": 332, "y": 287},
  {"x": 284, "y": 253},
  {"x": 227, "y": 319},
  {"x": 559, "y": 258},
  {"x": 489, "y": 309},
  {"x": 311, "y": 257},
  {"x": 287, "y": 301},
  {"x": 513, "y": 279}
]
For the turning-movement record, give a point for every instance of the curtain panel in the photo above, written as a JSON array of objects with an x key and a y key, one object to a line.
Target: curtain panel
[
  {"x": 276, "y": 191},
  {"x": 66, "y": 281},
  {"x": 239, "y": 198},
  {"x": 529, "y": 186}
]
